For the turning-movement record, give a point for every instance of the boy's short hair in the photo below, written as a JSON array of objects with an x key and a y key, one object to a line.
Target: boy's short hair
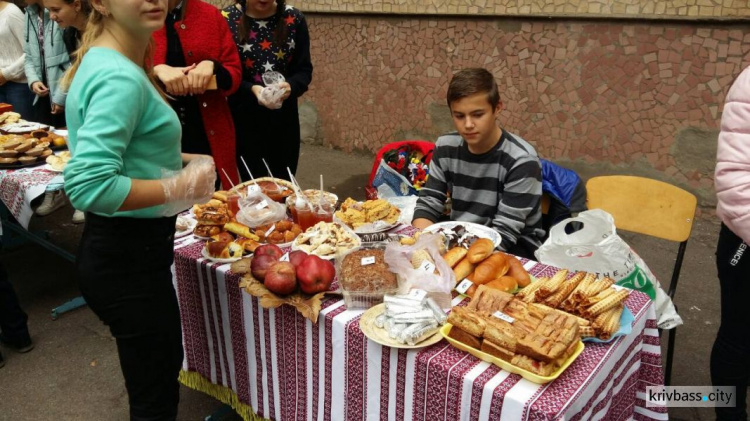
[{"x": 472, "y": 81}]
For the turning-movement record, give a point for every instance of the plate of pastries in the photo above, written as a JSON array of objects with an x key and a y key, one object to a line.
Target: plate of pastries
[
  {"x": 369, "y": 216},
  {"x": 532, "y": 340},
  {"x": 18, "y": 151}
]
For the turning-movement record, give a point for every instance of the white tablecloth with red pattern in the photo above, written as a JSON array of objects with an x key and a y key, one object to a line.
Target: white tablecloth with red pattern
[
  {"x": 19, "y": 187},
  {"x": 278, "y": 365}
]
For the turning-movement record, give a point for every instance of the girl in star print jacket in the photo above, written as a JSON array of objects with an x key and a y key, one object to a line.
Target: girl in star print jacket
[
  {"x": 729, "y": 357},
  {"x": 195, "y": 44},
  {"x": 270, "y": 37}
]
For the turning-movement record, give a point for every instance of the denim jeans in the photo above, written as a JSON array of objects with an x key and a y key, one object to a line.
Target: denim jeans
[
  {"x": 20, "y": 97},
  {"x": 124, "y": 273}
]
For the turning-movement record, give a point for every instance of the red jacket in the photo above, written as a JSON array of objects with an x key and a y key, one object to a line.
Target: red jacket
[{"x": 205, "y": 35}]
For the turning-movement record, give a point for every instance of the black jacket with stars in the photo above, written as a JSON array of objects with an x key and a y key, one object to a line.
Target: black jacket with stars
[
  {"x": 261, "y": 54},
  {"x": 263, "y": 133}
]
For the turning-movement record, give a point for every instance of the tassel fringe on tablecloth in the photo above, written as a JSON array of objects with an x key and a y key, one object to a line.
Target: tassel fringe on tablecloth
[{"x": 226, "y": 395}]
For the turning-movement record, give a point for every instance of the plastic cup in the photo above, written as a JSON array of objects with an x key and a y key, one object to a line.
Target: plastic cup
[
  {"x": 233, "y": 203},
  {"x": 323, "y": 213},
  {"x": 305, "y": 217}
]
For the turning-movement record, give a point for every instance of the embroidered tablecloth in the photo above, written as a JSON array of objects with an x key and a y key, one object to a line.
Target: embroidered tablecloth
[
  {"x": 19, "y": 187},
  {"x": 278, "y": 365}
]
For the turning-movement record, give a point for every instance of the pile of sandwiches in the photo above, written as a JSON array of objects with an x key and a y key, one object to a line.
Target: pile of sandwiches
[{"x": 530, "y": 336}]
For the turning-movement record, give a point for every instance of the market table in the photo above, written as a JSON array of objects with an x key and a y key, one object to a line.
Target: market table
[
  {"x": 277, "y": 364},
  {"x": 18, "y": 187}
]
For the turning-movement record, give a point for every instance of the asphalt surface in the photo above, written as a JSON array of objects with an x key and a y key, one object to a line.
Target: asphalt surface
[{"x": 74, "y": 374}]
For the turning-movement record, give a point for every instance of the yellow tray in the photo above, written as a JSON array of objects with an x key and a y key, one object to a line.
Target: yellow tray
[{"x": 535, "y": 378}]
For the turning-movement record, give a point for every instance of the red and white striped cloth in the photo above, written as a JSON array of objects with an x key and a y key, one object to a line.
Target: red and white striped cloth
[
  {"x": 287, "y": 368},
  {"x": 19, "y": 187}
]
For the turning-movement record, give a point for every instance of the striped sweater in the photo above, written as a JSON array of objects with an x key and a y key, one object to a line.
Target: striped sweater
[{"x": 501, "y": 188}]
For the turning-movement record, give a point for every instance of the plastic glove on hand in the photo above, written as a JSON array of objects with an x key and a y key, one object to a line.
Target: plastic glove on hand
[{"x": 193, "y": 184}]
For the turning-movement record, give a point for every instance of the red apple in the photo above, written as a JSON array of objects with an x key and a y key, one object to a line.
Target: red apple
[
  {"x": 296, "y": 257},
  {"x": 315, "y": 274},
  {"x": 269, "y": 249},
  {"x": 260, "y": 264},
  {"x": 280, "y": 278}
]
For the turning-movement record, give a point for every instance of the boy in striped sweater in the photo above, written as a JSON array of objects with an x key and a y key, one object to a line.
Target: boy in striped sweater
[{"x": 493, "y": 177}]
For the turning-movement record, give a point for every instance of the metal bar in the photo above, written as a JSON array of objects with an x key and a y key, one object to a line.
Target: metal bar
[
  {"x": 69, "y": 306},
  {"x": 16, "y": 231}
]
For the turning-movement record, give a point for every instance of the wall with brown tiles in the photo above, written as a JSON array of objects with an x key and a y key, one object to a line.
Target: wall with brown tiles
[
  {"x": 639, "y": 98},
  {"x": 589, "y": 8}
]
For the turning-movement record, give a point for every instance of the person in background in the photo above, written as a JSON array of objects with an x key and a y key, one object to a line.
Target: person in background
[
  {"x": 14, "y": 331},
  {"x": 493, "y": 177},
  {"x": 46, "y": 61},
  {"x": 270, "y": 36},
  {"x": 128, "y": 174},
  {"x": 71, "y": 17},
  {"x": 13, "y": 88},
  {"x": 730, "y": 365},
  {"x": 194, "y": 45}
]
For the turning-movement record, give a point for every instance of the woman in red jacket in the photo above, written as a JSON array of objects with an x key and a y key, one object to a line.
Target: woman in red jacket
[{"x": 194, "y": 45}]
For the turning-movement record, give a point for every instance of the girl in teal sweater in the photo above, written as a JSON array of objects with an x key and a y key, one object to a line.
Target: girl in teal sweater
[{"x": 127, "y": 175}]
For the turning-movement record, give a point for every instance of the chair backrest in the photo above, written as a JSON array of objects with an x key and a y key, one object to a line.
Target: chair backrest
[
  {"x": 422, "y": 145},
  {"x": 652, "y": 208},
  {"x": 644, "y": 206}
]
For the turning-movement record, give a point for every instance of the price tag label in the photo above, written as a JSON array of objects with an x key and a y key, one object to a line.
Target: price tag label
[
  {"x": 284, "y": 258},
  {"x": 262, "y": 204},
  {"x": 253, "y": 188},
  {"x": 270, "y": 230},
  {"x": 427, "y": 266},
  {"x": 368, "y": 260},
  {"x": 417, "y": 294},
  {"x": 464, "y": 286},
  {"x": 502, "y": 316}
]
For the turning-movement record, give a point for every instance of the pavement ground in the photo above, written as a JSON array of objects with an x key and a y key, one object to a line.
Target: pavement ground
[{"x": 74, "y": 373}]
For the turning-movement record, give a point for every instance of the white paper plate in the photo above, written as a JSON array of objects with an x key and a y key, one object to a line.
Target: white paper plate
[
  {"x": 205, "y": 254},
  {"x": 475, "y": 229},
  {"x": 191, "y": 226},
  {"x": 365, "y": 230},
  {"x": 49, "y": 167},
  {"x": 60, "y": 132}
]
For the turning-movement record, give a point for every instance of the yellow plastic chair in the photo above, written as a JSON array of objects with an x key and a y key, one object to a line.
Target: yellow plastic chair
[{"x": 649, "y": 207}]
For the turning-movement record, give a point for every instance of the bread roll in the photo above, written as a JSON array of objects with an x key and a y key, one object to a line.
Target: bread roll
[
  {"x": 480, "y": 250},
  {"x": 454, "y": 255},
  {"x": 221, "y": 195},
  {"x": 503, "y": 283},
  {"x": 517, "y": 271},
  {"x": 463, "y": 269},
  {"x": 490, "y": 269},
  {"x": 240, "y": 229}
]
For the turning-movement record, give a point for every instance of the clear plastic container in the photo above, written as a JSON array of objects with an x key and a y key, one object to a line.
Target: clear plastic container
[{"x": 364, "y": 277}]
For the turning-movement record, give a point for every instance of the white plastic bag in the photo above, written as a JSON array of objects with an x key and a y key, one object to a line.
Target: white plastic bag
[
  {"x": 438, "y": 285},
  {"x": 597, "y": 248},
  {"x": 272, "y": 94},
  {"x": 257, "y": 209}
]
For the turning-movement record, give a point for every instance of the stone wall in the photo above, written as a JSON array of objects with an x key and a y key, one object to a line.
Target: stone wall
[
  {"x": 656, "y": 9},
  {"x": 601, "y": 95},
  {"x": 616, "y": 96}
]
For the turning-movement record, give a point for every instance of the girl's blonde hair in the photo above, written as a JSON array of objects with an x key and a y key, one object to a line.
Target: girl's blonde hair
[{"x": 94, "y": 29}]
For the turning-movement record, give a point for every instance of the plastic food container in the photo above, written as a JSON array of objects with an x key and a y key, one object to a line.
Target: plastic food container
[
  {"x": 528, "y": 375},
  {"x": 364, "y": 277}
]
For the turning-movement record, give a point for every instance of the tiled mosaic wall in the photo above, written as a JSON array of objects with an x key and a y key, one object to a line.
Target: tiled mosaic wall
[
  {"x": 642, "y": 97},
  {"x": 588, "y": 8}
]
